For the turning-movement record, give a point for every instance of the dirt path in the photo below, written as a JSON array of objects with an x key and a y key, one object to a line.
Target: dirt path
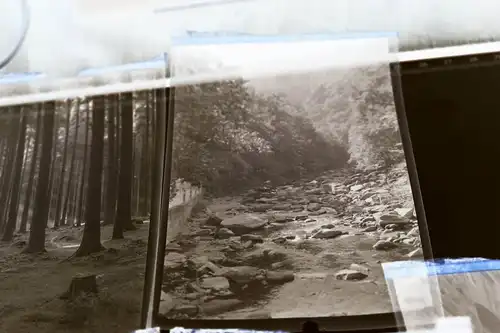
[
  {"x": 31, "y": 285},
  {"x": 304, "y": 236}
]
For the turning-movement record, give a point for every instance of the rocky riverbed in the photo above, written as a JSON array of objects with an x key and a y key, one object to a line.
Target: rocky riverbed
[{"x": 311, "y": 248}]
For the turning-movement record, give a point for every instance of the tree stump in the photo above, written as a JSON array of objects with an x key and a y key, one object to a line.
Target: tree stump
[{"x": 81, "y": 284}]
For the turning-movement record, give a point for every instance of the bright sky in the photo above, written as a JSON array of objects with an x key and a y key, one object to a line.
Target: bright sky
[{"x": 68, "y": 35}]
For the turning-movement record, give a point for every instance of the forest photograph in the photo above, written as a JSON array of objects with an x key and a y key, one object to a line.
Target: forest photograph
[
  {"x": 75, "y": 197},
  {"x": 305, "y": 192}
]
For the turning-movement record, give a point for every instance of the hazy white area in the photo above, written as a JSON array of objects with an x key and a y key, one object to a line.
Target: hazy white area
[
  {"x": 263, "y": 59},
  {"x": 66, "y": 36}
]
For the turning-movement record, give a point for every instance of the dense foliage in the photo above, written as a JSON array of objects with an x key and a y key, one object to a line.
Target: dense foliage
[
  {"x": 228, "y": 137},
  {"x": 359, "y": 112}
]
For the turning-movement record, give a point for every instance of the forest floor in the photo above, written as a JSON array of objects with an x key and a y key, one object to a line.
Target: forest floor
[
  {"x": 312, "y": 248},
  {"x": 31, "y": 286}
]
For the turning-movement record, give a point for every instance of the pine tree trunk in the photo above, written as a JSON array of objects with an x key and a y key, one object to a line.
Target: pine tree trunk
[
  {"x": 112, "y": 172},
  {"x": 16, "y": 182},
  {"x": 60, "y": 194},
  {"x": 71, "y": 172},
  {"x": 123, "y": 219},
  {"x": 53, "y": 163},
  {"x": 91, "y": 241},
  {"x": 32, "y": 172},
  {"x": 146, "y": 160},
  {"x": 79, "y": 212},
  {"x": 36, "y": 242},
  {"x": 9, "y": 166}
]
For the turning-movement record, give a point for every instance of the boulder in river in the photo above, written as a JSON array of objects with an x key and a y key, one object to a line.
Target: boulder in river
[
  {"x": 243, "y": 223},
  {"x": 224, "y": 233},
  {"x": 392, "y": 218},
  {"x": 405, "y": 212},
  {"x": 384, "y": 245},
  {"x": 213, "y": 220},
  {"x": 243, "y": 274},
  {"x": 350, "y": 275},
  {"x": 327, "y": 234}
]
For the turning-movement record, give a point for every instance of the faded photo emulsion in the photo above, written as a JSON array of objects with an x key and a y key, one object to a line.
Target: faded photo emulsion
[
  {"x": 301, "y": 180},
  {"x": 75, "y": 193}
]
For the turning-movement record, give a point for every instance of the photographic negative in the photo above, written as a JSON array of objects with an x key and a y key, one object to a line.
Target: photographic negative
[
  {"x": 75, "y": 198},
  {"x": 301, "y": 177}
]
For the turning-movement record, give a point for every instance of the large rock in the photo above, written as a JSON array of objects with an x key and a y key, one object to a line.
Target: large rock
[
  {"x": 264, "y": 257},
  {"x": 213, "y": 220},
  {"x": 203, "y": 265},
  {"x": 215, "y": 283},
  {"x": 384, "y": 245},
  {"x": 327, "y": 234},
  {"x": 243, "y": 223},
  {"x": 174, "y": 260},
  {"x": 167, "y": 303},
  {"x": 244, "y": 274},
  {"x": 350, "y": 275},
  {"x": 313, "y": 207},
  {"x": 224, "y": 233},
  {"x": 392, "y": 218},
  {"x": 407, "y": 212}
]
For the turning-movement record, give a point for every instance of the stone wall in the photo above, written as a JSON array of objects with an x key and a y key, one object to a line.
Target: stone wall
[{"x": 181, "y": 207}]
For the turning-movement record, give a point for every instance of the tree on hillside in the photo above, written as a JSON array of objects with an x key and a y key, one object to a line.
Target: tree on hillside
[
  {"x": 374, "y": 131},
  {"x": 36, "y": 242},
  {"x": 359, "y": 112},
  {"x": 91, "y": 241},
  {"x": 123, "y": 220},
  {"x": 229, "y": 137},
  {"x": 13, "y": 207}
]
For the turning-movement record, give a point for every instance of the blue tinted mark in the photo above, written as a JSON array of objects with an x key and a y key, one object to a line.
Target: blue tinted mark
[
  {"x": 224, "y": 37},
  {"x": 156, "y": 63},
  {"x": 441, "y": 267},
  {"x": 12, "y": 78},
  {"x": 159, "y": 62}
]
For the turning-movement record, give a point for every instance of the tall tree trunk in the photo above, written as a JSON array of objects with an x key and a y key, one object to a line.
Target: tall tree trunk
[
  {"x": 137, "y": 177},
  {"x": 112, "y": 172},
  {"x": 16, "y": 181},
  {"x": 32, "y": 172},
  {"x": 91, "y": 241},
  {"x": 36, "y": 242},
  {"x": 3, "y": 150},
  {"x": 29, "y": 144},
  {"x": 79, "y": 212},
  {"x": 60, "y": 193},
  {"x": 71, "y": 172},
  {"x": 74, "y": 196},
  {"x": 9, "y": 166},
  {"x": 53, "y": 163},
  {"x": 123, "y": 219},
  {"x": 146, "y": 159}
]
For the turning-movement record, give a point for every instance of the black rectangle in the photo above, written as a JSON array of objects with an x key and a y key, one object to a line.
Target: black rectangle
[{"x": 451, "y": 107}]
